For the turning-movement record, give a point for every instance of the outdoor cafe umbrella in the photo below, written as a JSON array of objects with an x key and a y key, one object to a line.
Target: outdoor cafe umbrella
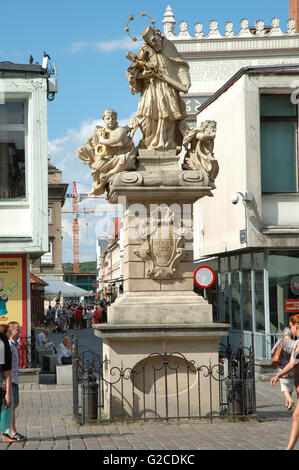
[{"x": 58, "y": 288}]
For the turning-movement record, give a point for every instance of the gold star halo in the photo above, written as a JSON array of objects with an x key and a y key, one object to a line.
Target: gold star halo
[{"x": 132, "y": 17}]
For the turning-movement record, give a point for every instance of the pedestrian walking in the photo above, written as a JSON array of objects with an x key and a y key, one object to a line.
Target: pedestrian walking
[
  {"x": 293, "y": 364},
  {"x": 287, "y": 381},
  {"x": 48, "y": 317},
  {"x": 84, "y": 318},
  {"x": 89, "y": 317},
  {"x": 97, "y": 315},
  {"x": 8, "y": 417},
  {"x": 71, "y": 318},
  {"x": 78, "y": 318},
  {"x": 5, "y": 376},
  {"x": 62, "y": 322}
]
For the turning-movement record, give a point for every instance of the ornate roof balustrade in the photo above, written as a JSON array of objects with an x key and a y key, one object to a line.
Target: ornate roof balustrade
[{"x": 245, "y": 31}]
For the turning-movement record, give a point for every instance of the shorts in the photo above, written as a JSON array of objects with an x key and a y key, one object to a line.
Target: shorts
[
  {"x": 286, "y": 385},
  {"x": 15, "y": 394}
]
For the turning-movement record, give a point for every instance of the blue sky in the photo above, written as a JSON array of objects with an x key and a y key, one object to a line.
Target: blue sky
[{"x": 88, "y": 44}]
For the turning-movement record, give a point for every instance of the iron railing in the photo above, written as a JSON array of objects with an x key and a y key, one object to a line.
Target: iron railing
[
  {"x": 27, "y": 352},
  {"x": 163, "y": 386}
]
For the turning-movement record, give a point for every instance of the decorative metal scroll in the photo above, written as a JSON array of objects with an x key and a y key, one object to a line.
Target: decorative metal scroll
[{"x": 163, "y": 386}]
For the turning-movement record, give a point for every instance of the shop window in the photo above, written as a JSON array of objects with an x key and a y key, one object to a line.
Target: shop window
[
  {"x": 246, "y": 300},
  {"x": 283, "y": 267},
  {"x": 234, "y": 263},
  {"x": 246, "y": 261},
  {"x": 12, "y": 150},
  {"x": 259, "y": 309},
  {"x": 278, "y": 128},
  {"x": 235, "y": 300},
  {"x": 224, "y": 299}
]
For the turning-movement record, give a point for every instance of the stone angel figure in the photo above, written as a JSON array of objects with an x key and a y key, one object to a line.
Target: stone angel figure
[
  {"x": 199, "y": 145},
  {"x": 110, "y": 151}
]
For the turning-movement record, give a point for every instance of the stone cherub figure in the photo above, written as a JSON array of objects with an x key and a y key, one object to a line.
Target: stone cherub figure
[
  {"x": 110, "y": 150},
  {"x": 199, "y": 145},
  {"x": 159, "y": 74}
]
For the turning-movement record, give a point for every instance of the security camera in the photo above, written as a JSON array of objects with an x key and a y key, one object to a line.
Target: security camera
[
  {"x": 245, "y": 196},
  {"x": 234, "y": 198}
]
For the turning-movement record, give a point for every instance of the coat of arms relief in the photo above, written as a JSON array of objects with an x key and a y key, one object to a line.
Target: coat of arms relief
[{"x": 162, "y": 243}]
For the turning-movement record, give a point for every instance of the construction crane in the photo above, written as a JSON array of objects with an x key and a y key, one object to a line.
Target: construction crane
[{"x": 76, "y": 198}]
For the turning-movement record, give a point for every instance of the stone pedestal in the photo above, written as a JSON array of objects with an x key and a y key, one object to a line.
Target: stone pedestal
[{"x": 158, "y": 305}]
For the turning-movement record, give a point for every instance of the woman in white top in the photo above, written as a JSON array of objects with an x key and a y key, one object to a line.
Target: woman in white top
[
  {"x": 292, "y": 365},
  {"x": 63, "y": 350},
  {"x": 287, "y": 381}
]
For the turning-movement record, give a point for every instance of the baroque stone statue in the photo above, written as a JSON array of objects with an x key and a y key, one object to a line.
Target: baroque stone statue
[
  {"x": 110, "y": 151},
  {"x": 159, "y": 74},
  {"x": 199, "y": 145}
]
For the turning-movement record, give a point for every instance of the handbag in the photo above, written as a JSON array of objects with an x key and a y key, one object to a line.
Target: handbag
[
  {"x": 276, "y": 358},
  {"x": 66, "y": 360}
]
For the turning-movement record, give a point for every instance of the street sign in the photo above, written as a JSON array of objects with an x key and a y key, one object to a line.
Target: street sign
[
  {"x": 204, "y": 277},
  {"x": 291, "y": 305},
  {"x": 294, "y": 285}
]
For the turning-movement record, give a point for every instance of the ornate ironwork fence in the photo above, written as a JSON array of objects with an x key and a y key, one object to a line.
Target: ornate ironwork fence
[
  {"x": 163, "y": 386},
  {"x": 27, "y": 352}
]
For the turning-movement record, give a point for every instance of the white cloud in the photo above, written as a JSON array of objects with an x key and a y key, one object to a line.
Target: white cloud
[
  {"x": 124, "y": 43},
  {"x": 79, "y": 46},
  {"x": 117, "y": 44}
]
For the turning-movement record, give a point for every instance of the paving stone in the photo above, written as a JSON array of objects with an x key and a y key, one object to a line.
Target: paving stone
[{"x": 45, "y": 416}]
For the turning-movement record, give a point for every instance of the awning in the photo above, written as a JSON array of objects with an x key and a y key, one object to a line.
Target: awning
[{"x": 58, "y": 288}]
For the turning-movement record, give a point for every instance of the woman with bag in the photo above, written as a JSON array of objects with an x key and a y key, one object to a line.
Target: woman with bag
[
  {"x": 285, "y": 345},
  {"x": 293, "y": 364}
]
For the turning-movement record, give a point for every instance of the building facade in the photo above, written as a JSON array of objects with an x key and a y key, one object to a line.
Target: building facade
[
  {"x": 23, "y": 185},
  {"x": 250, "y": 229},
  {"x": 50, "y": 263},
  {"x": 215, "y": 57},
  {"x": 246, "y": 79}
]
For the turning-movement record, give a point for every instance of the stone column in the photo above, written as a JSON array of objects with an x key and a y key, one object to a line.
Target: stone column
[{"x": 159, "y": 310}]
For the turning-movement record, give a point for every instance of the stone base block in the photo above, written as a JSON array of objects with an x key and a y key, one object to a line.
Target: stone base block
[
  {"x": 64, "y": 374},
  {"x": 165, "y": 360},
  {"x": 171, "y": 307},
  {"x": 49, "y": 363},
  {"x": 29, "y": 376}
]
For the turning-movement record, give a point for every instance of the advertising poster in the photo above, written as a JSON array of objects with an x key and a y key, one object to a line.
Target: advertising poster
[{"x": 13, "y": 290}]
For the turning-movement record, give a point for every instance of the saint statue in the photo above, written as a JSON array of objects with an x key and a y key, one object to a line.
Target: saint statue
[
  {"x": 159, "y": 74},
  {"x": 110, "y": 151}
]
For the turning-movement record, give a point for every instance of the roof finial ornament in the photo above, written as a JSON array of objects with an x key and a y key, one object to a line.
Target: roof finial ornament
[{"x": 168, "y": 22}]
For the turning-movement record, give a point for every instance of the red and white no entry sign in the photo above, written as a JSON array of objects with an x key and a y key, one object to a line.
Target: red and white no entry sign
[{"x": 204, "y": 277}]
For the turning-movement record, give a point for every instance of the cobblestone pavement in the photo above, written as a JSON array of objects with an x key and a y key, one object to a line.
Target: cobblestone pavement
[{"x": 45, "y": 416}]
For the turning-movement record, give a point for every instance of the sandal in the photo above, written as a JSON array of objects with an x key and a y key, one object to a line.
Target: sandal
[
  {"x": 19, "y": 437},
  {"x": 291, "y": 405},
  {"x": 8, "y": 438}
]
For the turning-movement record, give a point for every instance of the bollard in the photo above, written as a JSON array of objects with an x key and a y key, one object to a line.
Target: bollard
[
  {"x": 234, "y": 393},
  {"x": 90, "y": 397}
]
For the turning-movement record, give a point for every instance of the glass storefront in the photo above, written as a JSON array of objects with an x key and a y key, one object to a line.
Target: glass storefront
[
  {"x": 283, "y": 269},
  {"x": 246, "y": 302}
]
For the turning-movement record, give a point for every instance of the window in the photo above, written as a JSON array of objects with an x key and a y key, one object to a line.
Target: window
[
  {"x": 12, "y": 150},
  {"x": 50, "y": 215},
  {"x": 283, "y": 298},
  {"x": 47, "y": 258},
  {"x": 278, "y": 144}
]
